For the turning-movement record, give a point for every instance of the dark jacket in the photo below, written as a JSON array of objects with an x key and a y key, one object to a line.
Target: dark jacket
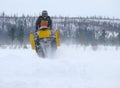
[{"x": 40, "y": 18}]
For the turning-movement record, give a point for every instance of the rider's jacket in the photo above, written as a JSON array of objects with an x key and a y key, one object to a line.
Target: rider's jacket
[{"x": 43, "y": 22}]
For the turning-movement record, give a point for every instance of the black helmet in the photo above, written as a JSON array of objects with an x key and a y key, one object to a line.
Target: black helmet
[{"x": 44, "y": 13}]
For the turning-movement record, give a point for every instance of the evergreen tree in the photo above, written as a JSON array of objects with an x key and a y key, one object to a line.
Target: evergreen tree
[
  {"x": 20, "y": 36},
  {"x": 11, "y": 34},
  {"x": 3, "y": 24},
  {"x": 102, "y": 37},
  {"x": 119, "y": 38}
]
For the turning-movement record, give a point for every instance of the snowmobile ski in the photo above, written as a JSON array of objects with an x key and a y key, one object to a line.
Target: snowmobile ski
[{"x": 32, "y": 41}]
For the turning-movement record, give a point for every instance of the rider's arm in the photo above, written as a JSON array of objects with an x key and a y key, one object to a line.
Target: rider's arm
[
  {"x": 50, "y": 23},
  {"x": 37, "y": 23}
]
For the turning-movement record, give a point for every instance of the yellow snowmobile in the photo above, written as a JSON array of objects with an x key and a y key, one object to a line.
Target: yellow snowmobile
[{"x": 44, "y": 42}]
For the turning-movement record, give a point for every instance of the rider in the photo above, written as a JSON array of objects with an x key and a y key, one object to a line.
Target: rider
[{"x": 43, "y": 21}]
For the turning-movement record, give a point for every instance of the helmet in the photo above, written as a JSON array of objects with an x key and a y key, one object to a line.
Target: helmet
[{"x": 44, "y": 13}]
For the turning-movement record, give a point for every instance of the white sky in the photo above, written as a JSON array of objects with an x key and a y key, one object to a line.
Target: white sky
[{"x": 74, "y": 8}]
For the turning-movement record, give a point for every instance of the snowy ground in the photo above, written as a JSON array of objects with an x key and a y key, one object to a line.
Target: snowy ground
[{"x": 71, "y": 67}]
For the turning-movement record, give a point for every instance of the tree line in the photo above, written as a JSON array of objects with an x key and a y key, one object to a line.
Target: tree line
[{"x": 75, "y": 30}]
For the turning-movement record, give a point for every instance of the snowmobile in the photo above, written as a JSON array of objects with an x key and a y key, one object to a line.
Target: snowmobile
[{"x": 44, "y": 41}]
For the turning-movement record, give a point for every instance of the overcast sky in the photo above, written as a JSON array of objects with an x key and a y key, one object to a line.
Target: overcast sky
[{"x": 74, "y": 8}]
